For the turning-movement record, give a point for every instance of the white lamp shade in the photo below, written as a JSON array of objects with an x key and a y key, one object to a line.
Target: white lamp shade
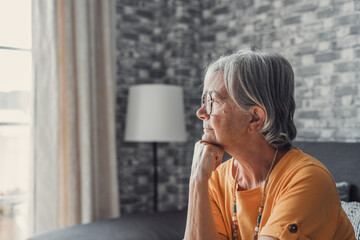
[{"x": 155, "y": 113}]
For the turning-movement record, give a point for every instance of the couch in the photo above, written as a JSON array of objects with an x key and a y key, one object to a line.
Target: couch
[
  {"x": 342, "y": 160},
  {"x": 151, "y": 226}
]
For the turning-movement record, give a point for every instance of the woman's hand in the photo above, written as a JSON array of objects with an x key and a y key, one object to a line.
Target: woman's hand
[
  {"x": 207, "y": 157},
  {"x": 200, "y": 222}
]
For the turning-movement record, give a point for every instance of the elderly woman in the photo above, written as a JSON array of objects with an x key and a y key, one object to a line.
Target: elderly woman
[{"x": 267, "y": 190}]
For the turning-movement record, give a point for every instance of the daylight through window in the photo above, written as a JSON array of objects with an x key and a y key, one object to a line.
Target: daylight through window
[{"x": 15, "y": 118}]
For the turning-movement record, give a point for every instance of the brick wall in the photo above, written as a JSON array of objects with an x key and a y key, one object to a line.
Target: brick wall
[
  {"x": 169, "y": 41},
  {"x": 157, "y": 41},
  {"x": 321, "y": 39}
]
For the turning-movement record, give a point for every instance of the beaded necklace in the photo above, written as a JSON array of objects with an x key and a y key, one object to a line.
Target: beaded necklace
[{"x": 261, "y": 208}]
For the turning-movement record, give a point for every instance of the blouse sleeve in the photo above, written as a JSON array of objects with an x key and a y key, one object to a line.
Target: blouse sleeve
[{"x": 306, "y": 208}]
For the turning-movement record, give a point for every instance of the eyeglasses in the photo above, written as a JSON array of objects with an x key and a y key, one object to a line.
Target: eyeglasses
[{"x": 207, "y": 100}]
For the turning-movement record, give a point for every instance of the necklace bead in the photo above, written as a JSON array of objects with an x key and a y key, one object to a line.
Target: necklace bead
[
  {"x": 234, "y": 208},
  {"x": 258, "y": 219}
]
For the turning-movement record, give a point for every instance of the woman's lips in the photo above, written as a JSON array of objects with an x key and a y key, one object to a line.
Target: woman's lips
[{"x": 208, "y": 130}]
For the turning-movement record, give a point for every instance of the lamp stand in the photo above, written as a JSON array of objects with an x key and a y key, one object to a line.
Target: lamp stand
[{"x": 155, "y": 176}]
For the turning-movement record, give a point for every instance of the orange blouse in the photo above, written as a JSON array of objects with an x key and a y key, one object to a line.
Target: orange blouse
[{"x": 301, "y": 202}]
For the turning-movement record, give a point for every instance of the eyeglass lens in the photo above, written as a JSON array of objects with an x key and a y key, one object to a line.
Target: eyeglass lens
[{"x": 207, "y": 100}]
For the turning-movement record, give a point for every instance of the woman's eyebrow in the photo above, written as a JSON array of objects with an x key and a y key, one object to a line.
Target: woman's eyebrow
[{"x": 216, "y": 93}]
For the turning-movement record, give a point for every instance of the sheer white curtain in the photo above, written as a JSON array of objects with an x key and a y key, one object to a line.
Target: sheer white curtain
[{"x": 74, "y": 78}]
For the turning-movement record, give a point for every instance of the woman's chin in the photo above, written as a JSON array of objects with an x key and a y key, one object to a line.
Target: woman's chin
[{"x": 209, "y": 138}]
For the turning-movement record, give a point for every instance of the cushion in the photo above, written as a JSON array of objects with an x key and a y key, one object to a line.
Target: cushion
[
  {"x": 352, "y": 210},
  {"x": 146, "y": 226},
  {"x": 343, "y": 190}
]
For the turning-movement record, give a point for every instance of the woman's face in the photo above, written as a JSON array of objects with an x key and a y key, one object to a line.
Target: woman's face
[{"x": 227, "y": 124}]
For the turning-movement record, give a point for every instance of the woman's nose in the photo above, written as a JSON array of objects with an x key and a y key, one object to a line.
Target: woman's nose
[{"x": 201, "y": 113}]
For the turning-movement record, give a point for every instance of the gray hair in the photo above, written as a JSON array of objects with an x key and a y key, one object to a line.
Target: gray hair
[{"x": 255, "y": 78}]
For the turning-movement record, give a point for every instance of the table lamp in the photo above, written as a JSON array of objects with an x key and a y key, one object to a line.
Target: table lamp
[{"x": 155, "y": 113}]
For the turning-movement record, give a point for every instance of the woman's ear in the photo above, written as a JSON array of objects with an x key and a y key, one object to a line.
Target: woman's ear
[{"x": 257, "y": 119}]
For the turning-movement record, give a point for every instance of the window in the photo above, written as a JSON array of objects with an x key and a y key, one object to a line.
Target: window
[{"x": 15, "y": 118}]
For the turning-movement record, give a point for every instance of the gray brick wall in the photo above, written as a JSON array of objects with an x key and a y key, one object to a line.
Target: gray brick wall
[
  {"x": 169, "y": 41},
  {"x": 157, "y": 41},
  {"x": 322, "y": 41}
]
